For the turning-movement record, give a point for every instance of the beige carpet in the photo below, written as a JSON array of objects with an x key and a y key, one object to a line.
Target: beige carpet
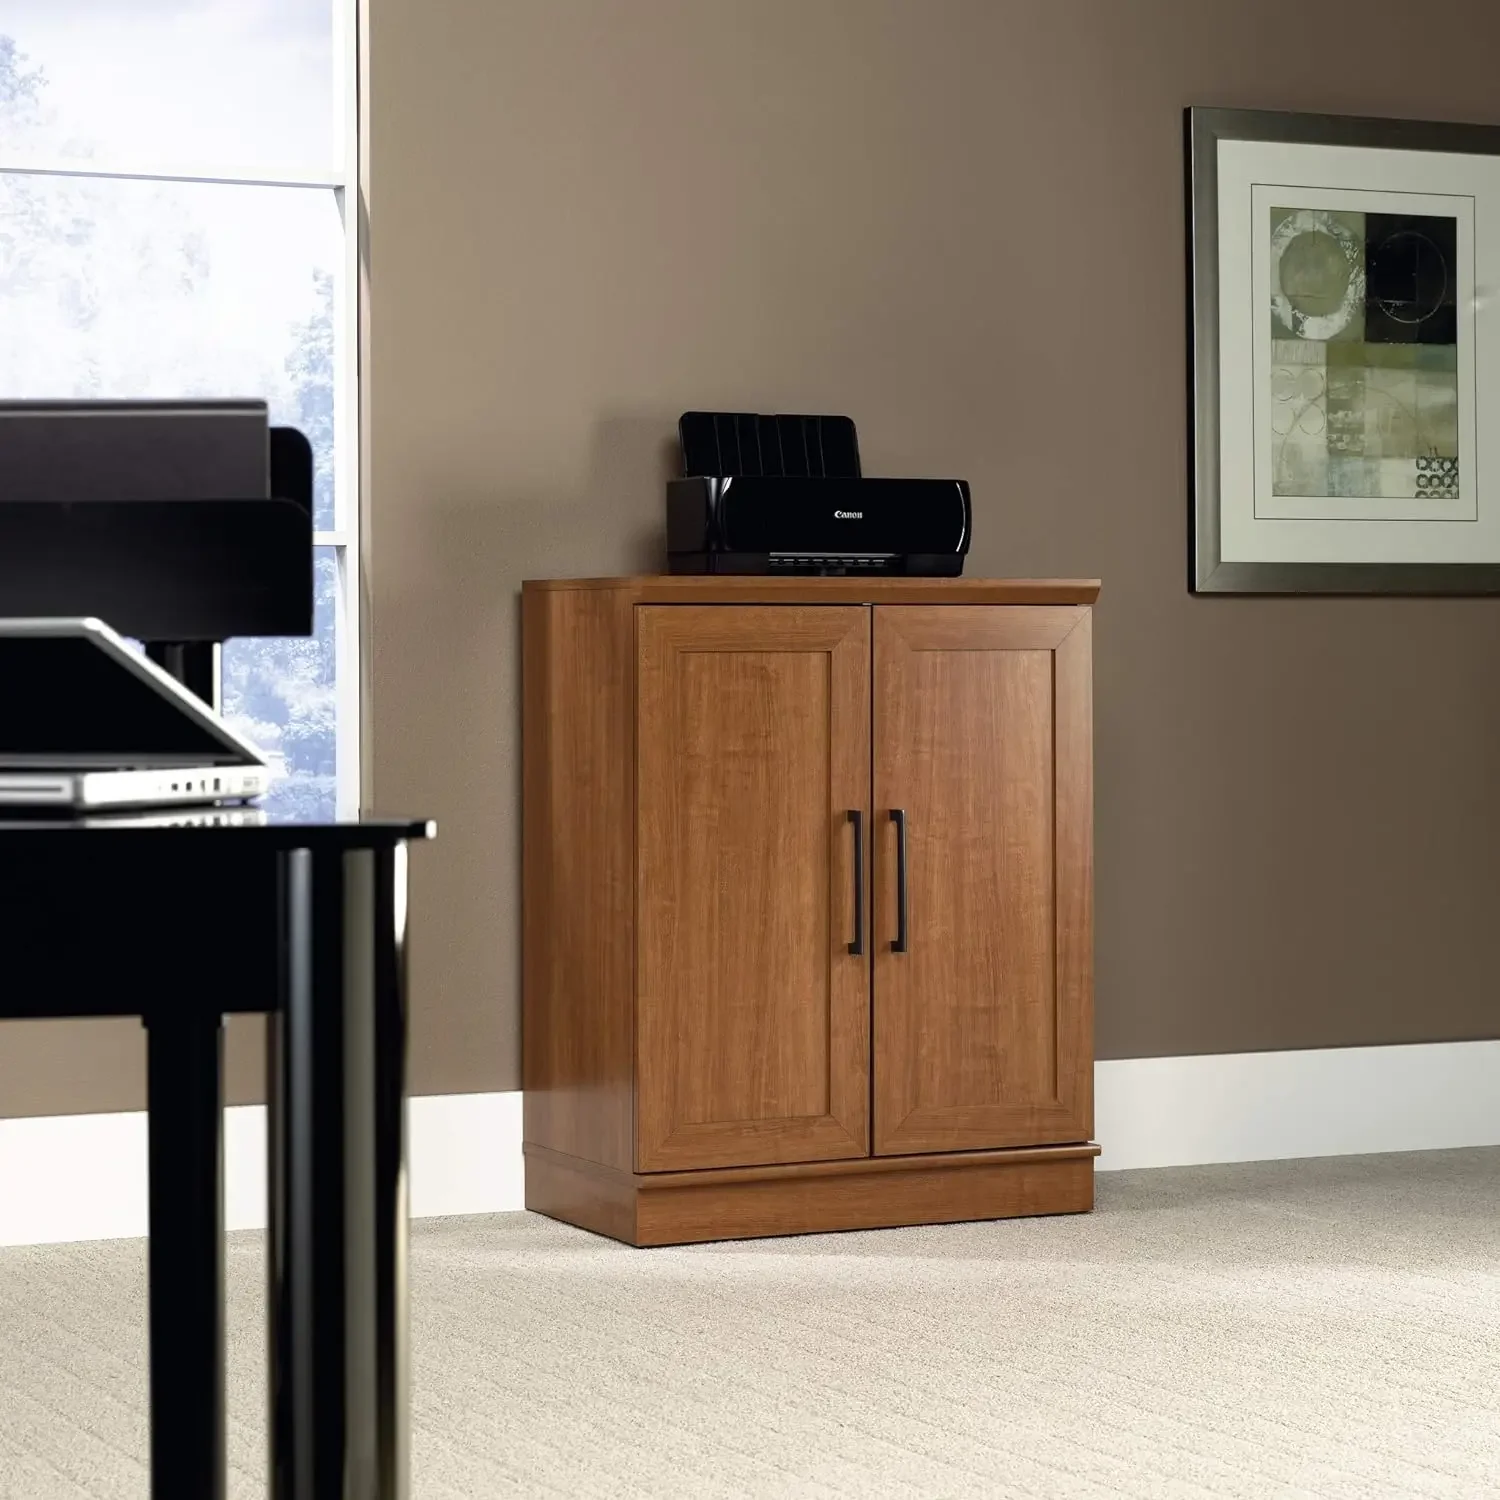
[{"x": 1321, "y": 1329}]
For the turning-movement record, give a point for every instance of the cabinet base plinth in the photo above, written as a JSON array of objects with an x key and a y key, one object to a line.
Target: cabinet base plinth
[{"x": 879, "y": 1192}]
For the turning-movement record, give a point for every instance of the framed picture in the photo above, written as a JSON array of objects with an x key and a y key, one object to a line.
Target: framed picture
[{"x": 1345, "y": 354}]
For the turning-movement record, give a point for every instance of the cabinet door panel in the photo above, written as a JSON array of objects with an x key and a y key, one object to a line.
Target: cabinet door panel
[
  {"x": 752, "y": 1016},
  {"x": 983, "y": 1027}
]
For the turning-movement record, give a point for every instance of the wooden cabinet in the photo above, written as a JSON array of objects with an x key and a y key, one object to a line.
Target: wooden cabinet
[
  {"x": 808, "y": 921},
  {"x": 982, "y": 744},
  {"x": 752, "y": 1016}
]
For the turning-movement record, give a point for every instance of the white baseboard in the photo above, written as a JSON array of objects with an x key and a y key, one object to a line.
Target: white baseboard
[
  {"x": 83, "y": 1177},
  {"x": 1275, "y": 1106}
]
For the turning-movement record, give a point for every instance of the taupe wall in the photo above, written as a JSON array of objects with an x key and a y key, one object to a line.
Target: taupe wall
[{"x": 960, "y": 221}]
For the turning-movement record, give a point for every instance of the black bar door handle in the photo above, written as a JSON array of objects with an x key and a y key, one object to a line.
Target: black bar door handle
[
  {"x": 898, "y": 817},
  {"x": 856, "y": 817}
]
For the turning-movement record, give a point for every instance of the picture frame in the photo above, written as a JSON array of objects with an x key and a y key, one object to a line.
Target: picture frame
[{"x": 1344, "y": 328}]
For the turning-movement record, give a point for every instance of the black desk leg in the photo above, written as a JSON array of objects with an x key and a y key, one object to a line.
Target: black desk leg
[
  {"x": 337, "y": 1141},
  {"x": 184, "y": 1080}
]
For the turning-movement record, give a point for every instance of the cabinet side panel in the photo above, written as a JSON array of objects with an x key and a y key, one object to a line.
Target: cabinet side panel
[
  {"x": 578, "y": 737},
  {"x": 1074, "y": 693},
  {"x": 578, "y": 1192}
]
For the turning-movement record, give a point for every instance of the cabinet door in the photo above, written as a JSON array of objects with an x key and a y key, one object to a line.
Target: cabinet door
[
  {"x": 752, "y": 1015},
  {"x": 983, "y": 1026}
]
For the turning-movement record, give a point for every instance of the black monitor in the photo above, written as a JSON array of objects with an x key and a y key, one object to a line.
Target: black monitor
[{"x": 176, "y": 522}]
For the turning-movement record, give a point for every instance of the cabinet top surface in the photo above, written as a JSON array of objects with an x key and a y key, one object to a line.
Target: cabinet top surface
[{"x": 699, "y": 588}]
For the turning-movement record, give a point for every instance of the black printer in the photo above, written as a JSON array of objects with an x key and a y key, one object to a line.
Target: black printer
[{"x": 784, "y": 494}]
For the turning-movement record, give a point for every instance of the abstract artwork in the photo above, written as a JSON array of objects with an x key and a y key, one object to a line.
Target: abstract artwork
[
  {"x": 1343, "y": 354},
  {"x": 1364, "y": 354}
]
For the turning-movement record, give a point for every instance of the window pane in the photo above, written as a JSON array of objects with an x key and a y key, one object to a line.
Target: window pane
[
  {"x": 281, "y": 695},
  {"x": 154, "y": 289},
  {"x": 236, "y": 84}
]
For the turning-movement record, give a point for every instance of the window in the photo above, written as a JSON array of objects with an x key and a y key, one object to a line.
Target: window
[{"x": 176, "y": 190}]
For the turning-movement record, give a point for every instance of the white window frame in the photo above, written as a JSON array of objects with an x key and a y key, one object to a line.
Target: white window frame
[{"x": 341, "y": 178}]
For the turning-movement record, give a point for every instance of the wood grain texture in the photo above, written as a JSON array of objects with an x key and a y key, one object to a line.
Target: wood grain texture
[
  {"x": 982, "y": 1027},
  {"x": 580, "y": 1192},
  {"x": 1073, "y": 688},
  {"x": 856, "y": 1166},
  {"x": 697, "y": 1037},
  {"x": 752, "y": 1016},
  {"x": 578, "y": 841},
  {"x": 802, "y": 1205},
  {"x": 677, "y": 1208},
  {"x": 678, "y": 589}
]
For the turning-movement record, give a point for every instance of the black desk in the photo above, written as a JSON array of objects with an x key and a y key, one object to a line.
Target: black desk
[{"x": 181, "y": 926}]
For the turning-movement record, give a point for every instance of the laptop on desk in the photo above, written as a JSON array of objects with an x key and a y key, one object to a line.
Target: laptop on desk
[{"x": 87, "y": 724}]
